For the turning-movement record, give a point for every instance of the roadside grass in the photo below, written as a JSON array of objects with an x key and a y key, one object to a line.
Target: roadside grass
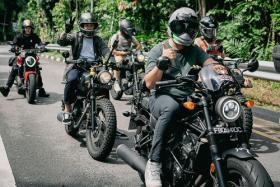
[{"x": 265, "y": 94}]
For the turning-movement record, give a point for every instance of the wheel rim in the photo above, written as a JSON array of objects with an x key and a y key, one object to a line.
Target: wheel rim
[
  {"x": 99, "y": 133},
  {"x": 236, "y": 179}
]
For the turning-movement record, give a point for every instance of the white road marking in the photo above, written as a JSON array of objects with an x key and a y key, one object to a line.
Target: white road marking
[{"x": 6, "y": 175}]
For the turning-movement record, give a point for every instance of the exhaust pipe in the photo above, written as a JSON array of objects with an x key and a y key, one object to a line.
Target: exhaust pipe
[{"x": 135, "y": 161}]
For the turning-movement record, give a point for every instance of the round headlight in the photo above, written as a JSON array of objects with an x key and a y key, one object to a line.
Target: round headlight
[
  {"x": 140, "y": 58},
  {"x": 30, "y": 61},
  {"x": 228, "y": 108},
  {"x": 104, "y": 77}
]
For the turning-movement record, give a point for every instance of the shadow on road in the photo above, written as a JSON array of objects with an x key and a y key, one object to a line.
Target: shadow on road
[
  {"x": 262, "y": 145},
  {"x": 53, "y": 98}
]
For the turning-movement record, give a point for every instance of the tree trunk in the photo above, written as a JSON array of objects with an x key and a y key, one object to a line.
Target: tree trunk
[{"x": 202, "y": 7}]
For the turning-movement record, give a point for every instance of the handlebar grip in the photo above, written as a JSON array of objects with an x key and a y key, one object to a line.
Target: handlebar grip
[
  {"x": 71, "y": 61},
  {"x": 163, "y": 83}
]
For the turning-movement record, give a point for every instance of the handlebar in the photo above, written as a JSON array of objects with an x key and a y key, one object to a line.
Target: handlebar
[
  {"x": 80, "y": 61},
  {"x": 178, "y": 80}
]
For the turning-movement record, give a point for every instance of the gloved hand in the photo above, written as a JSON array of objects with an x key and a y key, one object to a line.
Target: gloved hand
[
  {"x": 69, "y": 24},
  {"x": 163, "y": 62}
]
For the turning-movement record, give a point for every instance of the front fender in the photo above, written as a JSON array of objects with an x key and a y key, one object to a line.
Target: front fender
[
  {"x": 27, "y": 73},
  {"x": 238, "y": 153}
]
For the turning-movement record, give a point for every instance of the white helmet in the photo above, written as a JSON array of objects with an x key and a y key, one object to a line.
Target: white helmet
[{"x": 183, "y": 26}]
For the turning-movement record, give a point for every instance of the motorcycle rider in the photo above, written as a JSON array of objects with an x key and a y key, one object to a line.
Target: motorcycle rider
[
  {"x": 208, "y": 27},
  {"x": 84, "y": 44},
  {"x": 27, "y": 40},
  {"x": 167, "y": 60},
  {"x": 126, "y": 37}
]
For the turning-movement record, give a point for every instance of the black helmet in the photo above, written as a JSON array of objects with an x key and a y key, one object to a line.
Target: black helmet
[
  {"x": 208, "y": 27},
  {"x": 87, "y": 18},
  {"x": 127, "y": 28},
  {"x": 27, "y": 23}
]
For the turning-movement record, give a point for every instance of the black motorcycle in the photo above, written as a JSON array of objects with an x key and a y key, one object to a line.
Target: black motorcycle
[
  {"x": 207, "y": 145},
  {"x": 93, "y": 111},
  {"x": 130, "y": 65}
]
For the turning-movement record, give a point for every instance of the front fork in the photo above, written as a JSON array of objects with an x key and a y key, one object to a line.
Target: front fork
[
  {"x": 216, "y": 158},
  {"x": 92, "y": 124}
]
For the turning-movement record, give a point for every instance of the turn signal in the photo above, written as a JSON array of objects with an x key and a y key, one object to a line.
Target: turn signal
[
  {"x": 212, "y": 168},
  {"x": 249, "y": 103},
  {"x": 189, "y": 105}
]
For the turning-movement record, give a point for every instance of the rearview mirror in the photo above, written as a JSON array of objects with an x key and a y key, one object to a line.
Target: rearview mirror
[
  {"x": 65, "y": 54},
  {"x": 253, "y": 65}
]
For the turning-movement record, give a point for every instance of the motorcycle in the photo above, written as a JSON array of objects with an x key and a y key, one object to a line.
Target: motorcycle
[
  {"x": 207, "y": 145},
  {"x": 130, "y": 65},
  {"x": 27, "y": 61},
  {"x": 93, "y": 111}
]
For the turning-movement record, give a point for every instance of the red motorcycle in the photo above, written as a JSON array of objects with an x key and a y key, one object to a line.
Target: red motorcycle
[{"x": 28, "y": 63}]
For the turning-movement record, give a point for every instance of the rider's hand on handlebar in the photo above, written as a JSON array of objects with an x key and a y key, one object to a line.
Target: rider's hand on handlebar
[
  {"x": 220, "y": 69},
  {"x": 247, "y": 83}
]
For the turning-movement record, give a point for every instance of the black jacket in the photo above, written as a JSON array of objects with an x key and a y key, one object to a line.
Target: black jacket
[
  {"x": 26, "y": 42},
  {"x": 76, "y": 42}
]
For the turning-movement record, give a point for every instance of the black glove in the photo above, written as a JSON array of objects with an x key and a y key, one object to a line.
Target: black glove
[
  {"x": 163, "y": 62},
  {"x": 69, "y": 24}
]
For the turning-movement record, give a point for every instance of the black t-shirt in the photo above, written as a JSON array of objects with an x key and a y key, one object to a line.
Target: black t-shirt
[{"x": 27, "y": 42}]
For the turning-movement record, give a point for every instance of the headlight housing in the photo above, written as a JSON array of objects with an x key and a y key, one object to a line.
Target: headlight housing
[
  {"x": 228, "y": 108},
  {"x": 104, "y": 77},
  {"x": 30, "y": 61},
  {"x": 140, "y": 58}
]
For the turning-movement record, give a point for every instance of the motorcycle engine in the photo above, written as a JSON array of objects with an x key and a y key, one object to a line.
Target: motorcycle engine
[{"x": 185, "y": 155}]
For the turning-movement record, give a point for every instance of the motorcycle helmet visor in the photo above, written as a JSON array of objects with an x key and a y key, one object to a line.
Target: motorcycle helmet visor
[
  {"x": 184, "y": 23},
  {"x": 210, "y": 32}
]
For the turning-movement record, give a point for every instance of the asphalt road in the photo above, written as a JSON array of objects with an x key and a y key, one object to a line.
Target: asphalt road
[{"x": 40, "y": 153}]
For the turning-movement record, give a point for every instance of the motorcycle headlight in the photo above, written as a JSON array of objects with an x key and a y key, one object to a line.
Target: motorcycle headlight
[
  {"x": 228, "y": 108},
  {"x": 30, "y": 61},
  {"x": 140, "y": 58},
  {"x": 104, "y": 77}
]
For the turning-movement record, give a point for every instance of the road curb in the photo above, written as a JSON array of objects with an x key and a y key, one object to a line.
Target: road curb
[{"x": 267, "y": 115}]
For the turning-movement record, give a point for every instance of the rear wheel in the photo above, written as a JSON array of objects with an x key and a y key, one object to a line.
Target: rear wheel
[
  {"x": 100, "y": 141},
  {"x": 31, "y": 88},
  {"x": 72, "y": 129},
  {"x": 246, "y": 173}
]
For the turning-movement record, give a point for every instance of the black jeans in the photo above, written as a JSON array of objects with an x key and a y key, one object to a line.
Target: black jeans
[
  {"x": 165, "y": 109},
  {"x": 71, "y": 86},
  {"x": 16, "y": 70}
]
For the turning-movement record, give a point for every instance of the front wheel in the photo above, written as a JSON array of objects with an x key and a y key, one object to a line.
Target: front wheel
[
  {"x": 100, "y": 140},
  {"x": 246, "y": 118},
  {"x": 246, "y": 173},
  {"x": 31, "y": 88}
]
